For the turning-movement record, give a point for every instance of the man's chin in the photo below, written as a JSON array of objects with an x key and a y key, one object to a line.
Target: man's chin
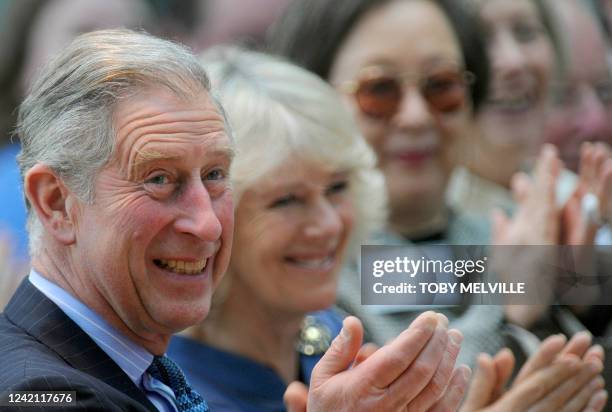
[{"x": 185, "y": 318}]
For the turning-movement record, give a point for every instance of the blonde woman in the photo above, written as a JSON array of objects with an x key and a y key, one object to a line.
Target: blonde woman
[{"x": 307, "y": 194}]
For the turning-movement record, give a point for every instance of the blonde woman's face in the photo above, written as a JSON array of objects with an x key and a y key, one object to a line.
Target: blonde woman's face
[
  {"x": 413, "y": 41},
  {"x": 292, "y": 228}
]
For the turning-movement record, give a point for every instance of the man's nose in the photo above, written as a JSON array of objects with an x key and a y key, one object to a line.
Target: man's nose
[
  {"x": 324, "y": 222},
  {"x": 198, "y": 216}
]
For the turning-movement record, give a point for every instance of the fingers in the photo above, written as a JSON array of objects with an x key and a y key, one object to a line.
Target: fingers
[
  {"x": 595, "y": 352},
  {"x": 454, "y": 392},
  {"x": 596, "y": 173},
  {"x": 597, "y": 402},
  {"x": 480, "y": 391},
  {"x": 547, "y": 170},
  {"x": 417, "y": 376},
  {"x": 586, "y": 167},
  {"x": 549, "y": 349},
  {"x": 391, "y": 361},
  {"x": 604, "y": 191},
  {"x": 296, "y": 397},
  {"x": 571, "y": 390},
  {"x": 541, "y": 383},
  {"x": 521, "y": 187},
  {"x": 341, "y": 352},
  {"x": 500, "y": 224},
  {"x": 504, "y": 365},
  {"x": 364, "y": 353},
  {"x": 549, "y": 165},
  {"x": 542, "y": 202},
  {"x": 580, "y": 401},
  {"x": 578, "y": 344},
  {"x": 439, "y": 382},
  {"x": 600, "y": 155}
]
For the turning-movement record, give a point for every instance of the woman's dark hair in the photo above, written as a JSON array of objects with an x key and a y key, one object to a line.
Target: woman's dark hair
[{"x": 311, "y": 32}]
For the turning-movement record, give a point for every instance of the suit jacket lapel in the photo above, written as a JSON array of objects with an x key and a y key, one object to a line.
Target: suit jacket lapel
[{"x": 44, "y": 320}]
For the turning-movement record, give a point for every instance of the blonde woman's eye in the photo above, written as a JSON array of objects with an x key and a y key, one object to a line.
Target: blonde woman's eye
[
  {"x": 284, "y": 201},
  {"x": 338, "y": 187}
]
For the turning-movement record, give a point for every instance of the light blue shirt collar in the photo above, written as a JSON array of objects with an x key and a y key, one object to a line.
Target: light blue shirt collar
[{"x": 131, "y": 358}]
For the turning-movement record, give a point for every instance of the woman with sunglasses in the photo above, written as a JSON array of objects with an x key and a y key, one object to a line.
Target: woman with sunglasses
[{"x": 302, "y": 180}]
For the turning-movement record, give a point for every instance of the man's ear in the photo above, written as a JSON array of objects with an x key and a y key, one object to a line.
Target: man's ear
[{"x": 51, "y": 200}]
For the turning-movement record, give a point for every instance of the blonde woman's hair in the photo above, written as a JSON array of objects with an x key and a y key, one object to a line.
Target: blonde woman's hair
[{"x": 277, "y": 110}]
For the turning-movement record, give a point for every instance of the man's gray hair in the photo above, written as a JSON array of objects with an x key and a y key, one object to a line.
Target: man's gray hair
[{"x": 66, "y": 120}]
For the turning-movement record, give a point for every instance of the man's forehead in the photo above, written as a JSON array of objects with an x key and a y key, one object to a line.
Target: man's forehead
[
  {"x": 147, "y": 122},
  {"x": 155, "y": 103}
]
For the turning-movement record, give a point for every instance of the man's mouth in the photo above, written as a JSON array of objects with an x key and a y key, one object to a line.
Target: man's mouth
[{"x": 182, "y": 267}]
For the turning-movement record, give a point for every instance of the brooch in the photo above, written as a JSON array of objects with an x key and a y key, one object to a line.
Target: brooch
[{"x": 315, "y": 337}]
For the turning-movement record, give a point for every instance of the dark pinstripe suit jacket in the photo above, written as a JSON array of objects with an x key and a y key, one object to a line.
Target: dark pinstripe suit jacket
[{"x": 43, "y": 349}]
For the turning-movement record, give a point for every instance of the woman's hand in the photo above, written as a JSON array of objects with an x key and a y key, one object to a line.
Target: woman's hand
[
  {"x": 559, "y": 377},
  {"x": 533, "y": 229},
  {"x": 595, "y": 189},
  {"x": 416, "y": 371}
]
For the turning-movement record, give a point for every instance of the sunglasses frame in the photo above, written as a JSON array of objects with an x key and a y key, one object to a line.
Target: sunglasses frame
[{"x": 352, "y": 86}]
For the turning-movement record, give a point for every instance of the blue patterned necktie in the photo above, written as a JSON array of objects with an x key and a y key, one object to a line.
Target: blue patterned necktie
[{"x": 187, "y": 400}]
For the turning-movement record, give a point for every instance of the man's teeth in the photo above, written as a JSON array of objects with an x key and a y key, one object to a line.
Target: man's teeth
[
  {"x": 313, "y": 263},
  {"x": 184, "y": 267}
]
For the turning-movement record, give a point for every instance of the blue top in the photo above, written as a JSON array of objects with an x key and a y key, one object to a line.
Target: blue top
[
  {"x": 12, "y": 207},
  {"x": 231, "y": 382},
  {"x": 130, "y": 357}
]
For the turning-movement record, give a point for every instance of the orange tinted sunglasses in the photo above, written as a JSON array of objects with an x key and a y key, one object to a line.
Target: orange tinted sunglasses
[{"x": 379, "y": 93}]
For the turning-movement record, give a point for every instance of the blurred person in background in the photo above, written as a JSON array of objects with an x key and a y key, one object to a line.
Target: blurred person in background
[
  {"x": 37, "y": 30},
  {"x": 526, "y": 53},
  {"x": 413, "y": 101},
  {"x": 307, "y": 194},
  {"x": 581, "y": 112},
  {"x": 582, "y": 98},
  {"x": 604, "y": 10},
  {"x": 236, "y": 21},
  {"x": 58, "y": 22},
  {"x": 509, "y": 126},
  {"x": 12, "y": 270}
]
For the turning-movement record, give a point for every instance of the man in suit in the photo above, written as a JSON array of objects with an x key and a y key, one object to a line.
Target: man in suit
[{"x": 125, "y": 160}]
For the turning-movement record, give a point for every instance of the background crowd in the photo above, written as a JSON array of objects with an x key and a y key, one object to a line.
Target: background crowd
[{"x": 487, "y": 122}]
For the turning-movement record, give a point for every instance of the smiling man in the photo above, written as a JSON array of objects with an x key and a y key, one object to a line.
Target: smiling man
[
  {"x": 125, "y": 159},
  {"x": 125, "y": 165}
]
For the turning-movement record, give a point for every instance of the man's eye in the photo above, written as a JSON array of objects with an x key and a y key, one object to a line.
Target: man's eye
[
  {"x": 215, "y": 174},
  {"x": 284, "y": 201},
  {"x": 158, "y": 180}
]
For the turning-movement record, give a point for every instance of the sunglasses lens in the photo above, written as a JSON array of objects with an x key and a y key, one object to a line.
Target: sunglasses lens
[
  {"x": 445, "y": 92},
  {"x": 379, "y": 97}
]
